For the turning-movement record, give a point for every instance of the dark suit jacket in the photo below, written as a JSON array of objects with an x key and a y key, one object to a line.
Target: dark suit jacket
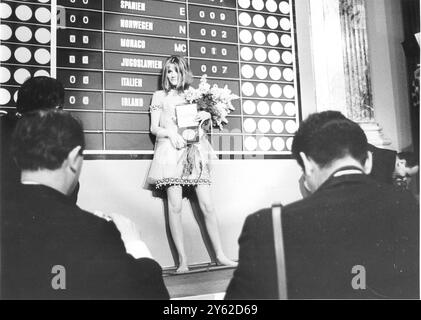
[
  {"x": 9, "y": 172},
  {"x": 350, "y": 220},
  {"x": 384, "y": 161},
  {"x": 44, "y": 228}
]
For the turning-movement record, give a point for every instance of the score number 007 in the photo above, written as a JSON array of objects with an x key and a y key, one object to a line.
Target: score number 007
[{"x": 213, "y": 69}]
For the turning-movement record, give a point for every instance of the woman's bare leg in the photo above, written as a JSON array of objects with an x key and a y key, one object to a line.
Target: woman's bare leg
[
  {"x": 205, "y": 202},
  {"x": 174, "y": 194}
]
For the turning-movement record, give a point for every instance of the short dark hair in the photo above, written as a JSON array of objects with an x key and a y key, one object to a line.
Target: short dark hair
[
  {"x": 43, "y": 139},
  {"x": 40, "y": 93},
  {"x": 327, "y": 136},
  {"x": 410, "y": 157}
]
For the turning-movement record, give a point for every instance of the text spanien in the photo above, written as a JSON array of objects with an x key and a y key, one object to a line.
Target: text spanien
[{"x": 133, "y": 5}]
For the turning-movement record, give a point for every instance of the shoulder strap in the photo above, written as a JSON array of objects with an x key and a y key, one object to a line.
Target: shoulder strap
[{"x": 279, "y": 251}]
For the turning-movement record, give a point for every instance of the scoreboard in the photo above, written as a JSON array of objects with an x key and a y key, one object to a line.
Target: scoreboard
[{"x": 109, "y": 55}]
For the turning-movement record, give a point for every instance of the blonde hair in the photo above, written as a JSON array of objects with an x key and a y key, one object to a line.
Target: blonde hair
[{"x": 182, "y": 67}]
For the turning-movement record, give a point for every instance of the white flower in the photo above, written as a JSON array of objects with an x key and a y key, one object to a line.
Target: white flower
[
  {"x": 219, "y": 106},
  {"x": 189, "y": 94},
  {"x": 215, "y": 92},
  {"x": 221, "y": 97},
  {"x": 204, "y": 87},
  {"x": 221, "y": 109},
  {"x": 230, "y": 106},
  {"x": 234, "y": 96},
  {"x": 203, "y": 78}
]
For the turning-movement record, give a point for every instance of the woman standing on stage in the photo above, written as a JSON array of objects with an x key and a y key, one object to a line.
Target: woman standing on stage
[{"x": 174, "y": 165}]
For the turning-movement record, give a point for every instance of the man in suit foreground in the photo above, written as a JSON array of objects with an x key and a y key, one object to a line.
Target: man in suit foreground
[
  {"x": 353, "y": 237},
  {"x": 52, "y": 249},
  {"x": 388, "y": 166},
  {"x": 37, "y": 93}
]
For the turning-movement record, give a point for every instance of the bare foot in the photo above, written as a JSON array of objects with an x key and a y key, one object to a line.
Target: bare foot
[
  {"x": 226, "y": 262},
  {"x": 182, "y": 269}
]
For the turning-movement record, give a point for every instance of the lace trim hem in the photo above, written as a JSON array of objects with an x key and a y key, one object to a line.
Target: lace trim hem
[{"x": 180, "y": 182}]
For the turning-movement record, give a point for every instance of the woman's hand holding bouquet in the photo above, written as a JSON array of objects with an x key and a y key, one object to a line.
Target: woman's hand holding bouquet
[{"x": 212, "y": 102}]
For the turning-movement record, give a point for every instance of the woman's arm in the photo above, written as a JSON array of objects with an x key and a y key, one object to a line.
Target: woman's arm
[
  {"x": 156, "y": 109},
  {"x": 155, "y": 128}
]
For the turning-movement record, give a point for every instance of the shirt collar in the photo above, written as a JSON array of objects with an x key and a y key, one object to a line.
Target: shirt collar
[
  {"x": 346, "y": 170},
  {"x": 347, "y": 173}
]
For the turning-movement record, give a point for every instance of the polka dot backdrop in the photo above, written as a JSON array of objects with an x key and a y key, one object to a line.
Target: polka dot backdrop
[
  {"x": 25, "y": 50},
  {"x": 268, "y": 74}
]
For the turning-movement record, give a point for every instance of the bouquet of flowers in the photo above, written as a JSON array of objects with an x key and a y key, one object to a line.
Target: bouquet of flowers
[{"x": 215, "y": 100}]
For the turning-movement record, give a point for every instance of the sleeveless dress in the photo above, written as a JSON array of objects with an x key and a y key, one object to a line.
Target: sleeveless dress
[{"x": 189, "y": 166}]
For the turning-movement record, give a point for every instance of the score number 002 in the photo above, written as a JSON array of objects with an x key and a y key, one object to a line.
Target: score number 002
[{"x": 213, "y": 33}]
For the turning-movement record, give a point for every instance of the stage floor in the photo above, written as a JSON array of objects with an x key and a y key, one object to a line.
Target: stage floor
[{"x": 203, "y": 283}]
